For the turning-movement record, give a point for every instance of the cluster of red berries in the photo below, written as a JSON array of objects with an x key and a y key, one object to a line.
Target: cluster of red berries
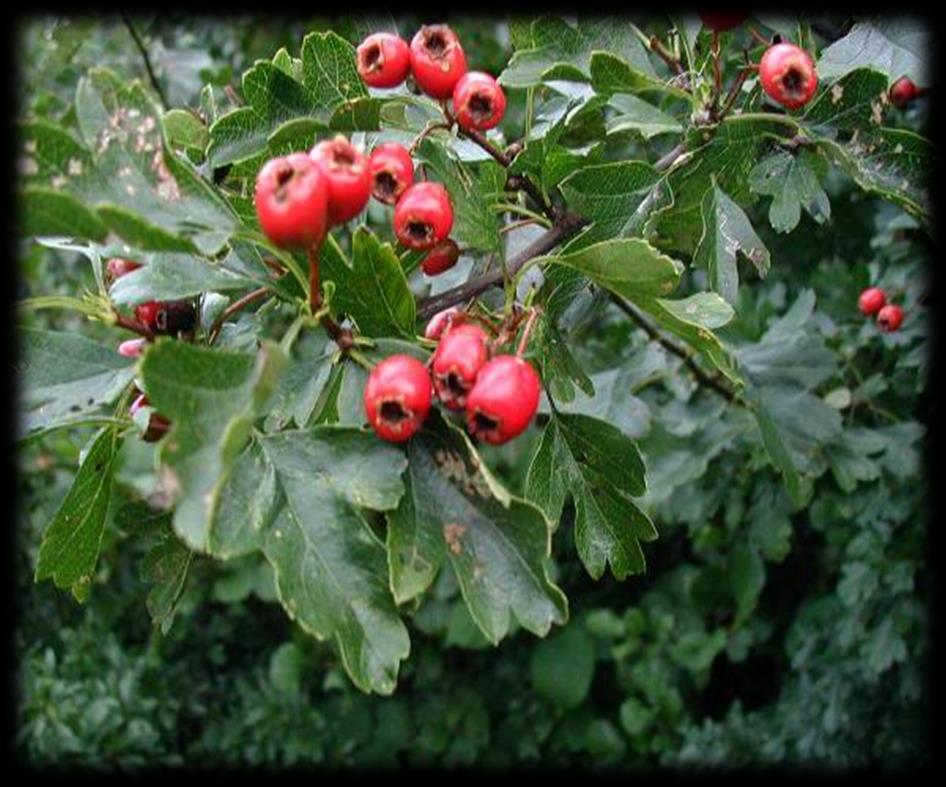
[
  {"x": 436, "y": 62},
  {"x": 499, "y": 394},
  {"x": 299, "y": 196},
  {"x": 874, "y": 301},
  {"x": 157, "y": 317}
]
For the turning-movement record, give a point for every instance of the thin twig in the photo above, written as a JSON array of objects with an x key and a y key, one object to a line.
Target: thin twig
[
  {"x": 734, "y": 91},
  {"x": 665, "y": 162},
  {"x": 714, "y": 383},
  {"x": 657, "y": 47},
  {"x": 144, "y": 54},
  {"x": 315, "y": 289},
  {"x": 232, "y": 309},
  {"x": 132, "y": 325}
]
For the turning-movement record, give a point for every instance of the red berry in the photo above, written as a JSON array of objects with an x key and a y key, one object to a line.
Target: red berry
[
  {"x": 902, "y": 92},
  {"x": 292, "y": 201},
  {"x": 158, "y": 425},
  {"x": 457, "y": 361},
  {"x": 397, "y": 397},
  {"x": 871, "y": 300},
  {"x": 384, "y": 60},
  {"x": 349, "y": 177},
  {"x": 117, "y": 267},
  {"x": 441, "y": 258},
  {"x": 437, "y": 60},
  {"x": 478, "y": 101},
  {"x": 788, "y": 75},
  {"x": 166, "y": 316},
  {"x": 439, "y": 323},
  {"x": 722, "y": 20},
  {"x": 503, "y": 400},
  {"x": 131, "y": 348},
  {"x": 889, "y": 317},
  {"x": 423, "y": 215},
  {"x": 392, "y": 171}
]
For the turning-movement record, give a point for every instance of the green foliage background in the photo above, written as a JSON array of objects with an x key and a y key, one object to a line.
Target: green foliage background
[{"x": 764, "y": 631}]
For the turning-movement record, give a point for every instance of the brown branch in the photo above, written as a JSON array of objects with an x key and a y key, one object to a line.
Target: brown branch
[
  {"x": 144, "y": 55},
  {"x": 315, "y": 288},
  {"x": 734, "y": 91},
  {"x": 665, "y": 162},
  {"x": 657, "y": 47},
  {"x": 232, "y": 309},
  {"x": 714, "y": 383},
  {"x": 130, "y": 324},
  {"x": 562, "y": 229}
]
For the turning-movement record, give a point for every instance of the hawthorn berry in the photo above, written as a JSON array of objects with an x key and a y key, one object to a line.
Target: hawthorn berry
[
  {"x": 720, "y": 21},
  {"x": 423, "y": 215},
  {"x": 479, "y": 102},
  {"x": 392, "y": 171},
  {"x": 397, "y": 397},
  {"x": 787, "y": 73},
  {"x": 157, "y": 426},
  {"x": 117, "y": 267},
  {"x": 889, "y": 318},
  {"x": 292, "y": 201},
  {"x": 441, "y": 257},
  {"x": 384, "y": 60},
  {"x": 871, "y": 300},
  {"x": 348, "y": 173},
  {"x": 437, "y": 60},
  {"x": 166, "y": 316},
  {"x": 503, "y": 400},
  {"x": 902, "y": 92},
  {"x": 440, "y": 322},
  {"x": 131, "y": 348},
  {"x": 457, "y": 361}
]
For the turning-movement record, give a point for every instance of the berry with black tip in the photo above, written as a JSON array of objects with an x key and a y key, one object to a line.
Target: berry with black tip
[
  {"x": 479, "y": 103},
  {"x": 383, "y": 60},
  {"x": 423, "y": 215},
  {"x": 397, "y": 397},
  {"x": 457, "y": 361},
  {"x": 392, "y": 172},
  {"x": 439, "y": 323},
  {"x": 889, "y": 318},
  {"x": 169, "y": 317},
  {"x": 437, "y": 60},
  {"x": 788, "y": 76},
  {"x": 292, "y": 201},
  {"x": 504, "y": 399},
  {"x": 348, "y": 173},
  {"x": 902, "y": 92}
]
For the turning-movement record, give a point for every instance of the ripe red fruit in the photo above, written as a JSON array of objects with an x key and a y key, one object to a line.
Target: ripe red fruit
[
  {"x": 292, "y": 201},
  {"x": 722, "y": 20},
  {"x": 117, "y": 267},
  {"x": 456, "y": 363},
  {"x": 437, "y": 60},
  {"x": 384, "y": 60},
  {"x": 503, "y": 400},
  {"x": 902, "y": 92},
  {"x": 441, "y": 258},
  {"x": 889, "y": 317},
  {"x": 423, "y": 215},
  {"x": 397, "y": 397},
  {"x": 478, "y": 101},
  {"x": 348, "y": 173},
  {"x": 439, "y": 323},
  {"x": 871, "y": 300},
  {"x": 167, "y": 316},
  {"x": 787, "y": 73},
  {"x": 392, "y": 171}
]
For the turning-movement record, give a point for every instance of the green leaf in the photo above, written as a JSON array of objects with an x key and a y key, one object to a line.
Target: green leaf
[
  {"x": 726, "y": 232},
  {"x": 329, "y": 70},
  {"x": 601, "y": 470},
  {"x": 374, "y": 290},
  {"x": 165, "y": 567},
  {"x": 562, "y": 667},
  {"x": 212, "y": 398},
  {"x": 168, "y": 277},
  {"x": 330, "y": 568},
  {"x": 857, "y": 100},
  {"x": 634, "y": 114},
  {"x": 496, "y": 543},
  {"x": 45, "y": 211},
  {"x": 777, "y": 452},
  {"x": 792, "y": 182},
  {"x": 629, "y": 267},
  {"x": 71, "y": 543},
  {"x": 747, "y": 578},
  {"x": 896, "y": 45},
  {"x": 64, "y": 376},
  {"x": 612, "y": 74},
  {"x": 185, "y": 130}
]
